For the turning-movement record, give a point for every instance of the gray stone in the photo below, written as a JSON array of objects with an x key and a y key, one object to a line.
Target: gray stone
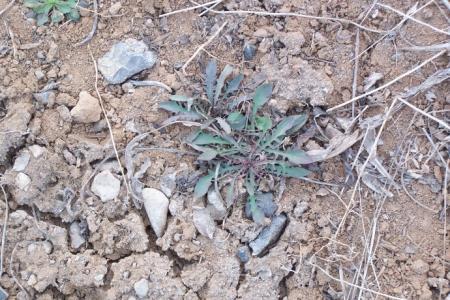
[
  {"x": 125, "y": 59},
  {"x": 269, "y": 235},
  {"x": 87, "y": 110},
  {"x": 156, "y": 206},
  {"x": 215, "y": 205},
  {"x": 45, "y": 98},
  {"x": 106, "y": 186},
  {"x": 141, "y": 288},
  {"x": 204, "y": 222},
  {"x": 168, "y": 183},
  {"x": 249, "y": 51},
  {"x": 243, "y": 254},
  {"x": 21, "y": 161}
]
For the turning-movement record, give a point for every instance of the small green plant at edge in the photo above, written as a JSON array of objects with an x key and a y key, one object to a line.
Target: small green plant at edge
[
  {"x": 235, "y": 140},
  {"x": 57, "y": 9}
]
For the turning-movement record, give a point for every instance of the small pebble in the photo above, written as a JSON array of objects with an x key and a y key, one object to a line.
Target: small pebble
[
  {"x": 106, "y": 186},
  {"x": 141, "y": 288},
  {"x": 76, "y": 238},
  {"x": 23, "y": 181},
  {"x": 243, "y": 254},
  {"x": 36, "y": 150},
  {"x": 22, "y": 161},
  {"x": 249, "y": 51}
]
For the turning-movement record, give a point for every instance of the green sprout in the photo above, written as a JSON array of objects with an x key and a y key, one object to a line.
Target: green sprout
[
  {"x": 57, "y": 9},
  {"x": 236, "y": 141}
]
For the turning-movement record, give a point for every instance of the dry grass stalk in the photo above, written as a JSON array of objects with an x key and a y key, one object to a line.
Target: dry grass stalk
[
  {"x": 409, "y": 72},
  {"x": 108, "y": 123},
  {"x": 7, "y": 7}
]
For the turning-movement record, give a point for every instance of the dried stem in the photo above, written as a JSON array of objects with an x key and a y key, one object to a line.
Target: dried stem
[
  {"x": 203, "y": 46},
  {"x": 409, "y": 72},
  {"x": 91, "y": 34},
  {"x": 7, "y": 7}
]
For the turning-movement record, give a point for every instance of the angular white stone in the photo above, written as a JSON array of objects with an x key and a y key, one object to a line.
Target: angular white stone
[
  {"x": 23, "y": 181},
  {"x": 106, "y": 186},
  {"x": 36, "y": 150}
]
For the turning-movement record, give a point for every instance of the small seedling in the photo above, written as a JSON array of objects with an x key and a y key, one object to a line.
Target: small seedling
[
  {"x": 236, "y": 141},
  {"x": 57, "y": 9}
]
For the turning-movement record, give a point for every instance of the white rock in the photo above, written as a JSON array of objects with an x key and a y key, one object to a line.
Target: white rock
[
  {"x": 22, "y": 161},
  {"x": 204, "y": 222},
  {"x": 156, "y": 206},
  {"x": 141, "y": 288},
  {"x": 76, "y": 238},
  {"x": 87, "y": 110},
  {"x": 215, "y": 205},
  {"x": 32, "y": 280},
  {"x": 23, "y": 181},
  {"x": 106, "y": 186},
  {"x": 36, "y": 150}
]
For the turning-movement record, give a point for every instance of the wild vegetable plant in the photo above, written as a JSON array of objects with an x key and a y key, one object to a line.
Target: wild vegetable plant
[
  {"x": 57, "y": 9},
  {"x": 235, "y": 139}
]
